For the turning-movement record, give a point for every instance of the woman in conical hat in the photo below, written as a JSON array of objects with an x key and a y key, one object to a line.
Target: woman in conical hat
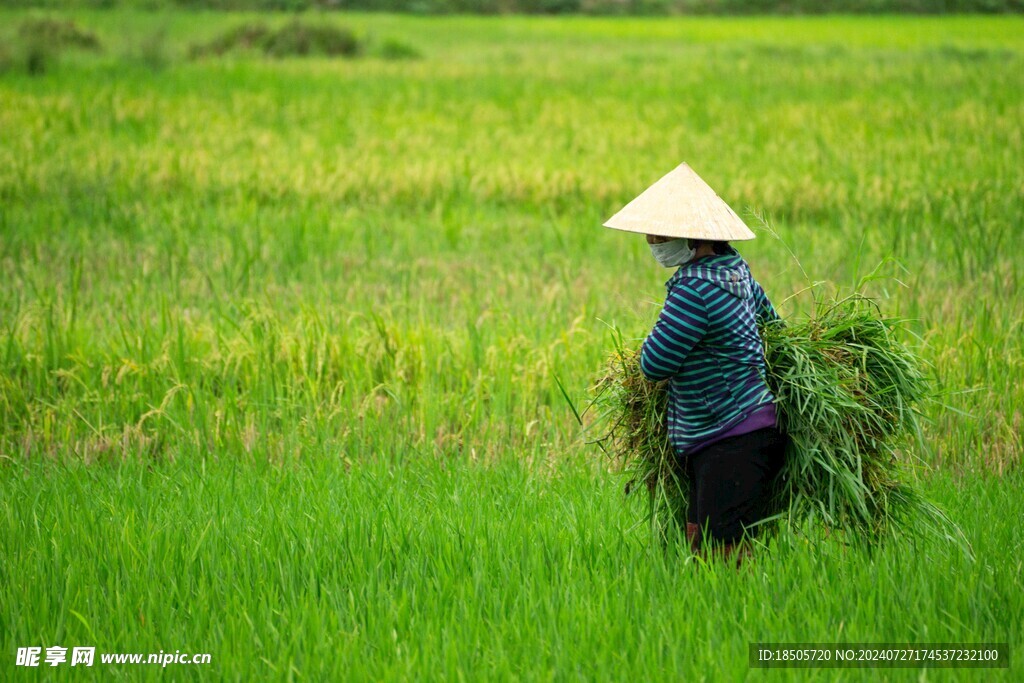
[{"x": 721, "y": 414}]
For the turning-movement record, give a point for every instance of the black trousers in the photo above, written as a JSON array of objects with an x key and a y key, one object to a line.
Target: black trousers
[{"x": 730, "y": 482}]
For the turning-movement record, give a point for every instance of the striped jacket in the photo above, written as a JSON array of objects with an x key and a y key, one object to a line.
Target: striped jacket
[{"x": 707, "y": 345}]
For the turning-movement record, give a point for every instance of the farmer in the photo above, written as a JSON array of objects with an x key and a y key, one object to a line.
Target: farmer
[{"x": 721, "y": 414}]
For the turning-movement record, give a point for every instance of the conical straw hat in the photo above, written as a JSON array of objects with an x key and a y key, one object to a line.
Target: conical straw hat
[{"x": 681, "y": 205}]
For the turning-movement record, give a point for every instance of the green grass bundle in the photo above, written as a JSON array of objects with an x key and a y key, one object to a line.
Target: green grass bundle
[{"x": 847, "y": 394}]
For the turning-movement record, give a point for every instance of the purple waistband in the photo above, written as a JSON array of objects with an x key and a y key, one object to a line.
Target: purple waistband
[{"x": 763, "y": 416}]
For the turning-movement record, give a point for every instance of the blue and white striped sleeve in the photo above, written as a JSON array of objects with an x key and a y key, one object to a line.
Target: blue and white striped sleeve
[
  {"x": 683, "y": 322},
  {"x": 763, "y": 309}
]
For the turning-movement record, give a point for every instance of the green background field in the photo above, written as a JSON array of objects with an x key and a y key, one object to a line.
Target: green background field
[
  {"x": 280, "y": 338},
  {"x": 549, "y": 7}
]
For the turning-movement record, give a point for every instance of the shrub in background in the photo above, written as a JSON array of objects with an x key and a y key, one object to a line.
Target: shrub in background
[
  {"x": 6, "y": 59},
  {"x": 296, "y": 38},
  {"x": 244, "y": 37},
  {"x": 394, "y": 49},
  {"x": 42, "y": 40},
  {"x": 151, "y": 50},
  {"x": 58, "y": 33}
]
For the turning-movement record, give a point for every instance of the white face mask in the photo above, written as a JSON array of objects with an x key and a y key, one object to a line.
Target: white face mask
[{"x": 672, "y": 253}]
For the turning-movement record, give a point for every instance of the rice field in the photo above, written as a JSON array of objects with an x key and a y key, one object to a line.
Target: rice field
[{"x": 282, "y": 340}]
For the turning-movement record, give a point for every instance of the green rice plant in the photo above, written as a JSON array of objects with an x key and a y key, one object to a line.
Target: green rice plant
[
  {"x": 847, "y": 394},
  {"x": 632, "y": 430}
]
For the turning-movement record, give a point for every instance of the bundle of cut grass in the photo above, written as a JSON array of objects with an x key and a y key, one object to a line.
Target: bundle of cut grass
[{"x": 847, "y": 394}]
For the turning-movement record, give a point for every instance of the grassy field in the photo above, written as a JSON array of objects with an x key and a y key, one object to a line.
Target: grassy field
[{"x": 280, "y": 338}]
